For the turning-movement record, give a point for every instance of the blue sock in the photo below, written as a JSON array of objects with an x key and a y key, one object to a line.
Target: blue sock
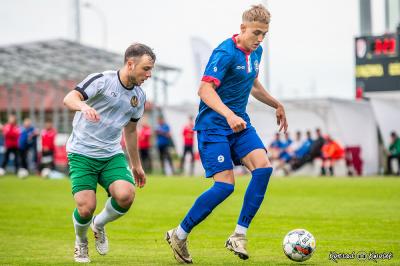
[
  {"x": 204, "y": 204},
  {"x": 254, "y": 195}
]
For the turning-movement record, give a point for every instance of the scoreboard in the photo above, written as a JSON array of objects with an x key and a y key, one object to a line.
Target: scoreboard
[{"x": 378, "y": 63}]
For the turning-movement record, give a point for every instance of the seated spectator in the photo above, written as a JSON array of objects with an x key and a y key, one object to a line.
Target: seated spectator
[
  {"x": 289, "y": 153},
  {"x": 394, "y": 153},
  {"x": 285, "y": 155},
  {"x": 275, "y": 147},
  {"x": 313, "y": 152},
  {"x": 305, "y": 146},
  {"x": 331, "y": 152}
]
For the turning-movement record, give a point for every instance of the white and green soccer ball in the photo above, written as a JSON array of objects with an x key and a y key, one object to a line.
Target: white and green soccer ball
[{"x": 299, "y": 245}]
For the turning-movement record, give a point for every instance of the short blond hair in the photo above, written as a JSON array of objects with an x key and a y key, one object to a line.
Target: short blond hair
[{"x": 257, "y": 13}]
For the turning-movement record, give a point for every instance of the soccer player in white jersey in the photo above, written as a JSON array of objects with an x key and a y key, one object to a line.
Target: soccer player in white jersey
[{"x": 105, "y": 103}]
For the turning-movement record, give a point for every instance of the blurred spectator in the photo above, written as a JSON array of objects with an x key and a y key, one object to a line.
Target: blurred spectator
[
  {"x": 25, "y": 143},
  {"x": 394, "y": 153},
  {"x": 288, "y": 154},
  {"x": 275, "y": 147},
  {"x": 2, "y": 149},
  {"x": 300, "y": 153},
  {"x": 164, "y": 141},
  {"x": 144, "y": 141},
  {"x": 48, "y": 136},
  {"x": 11, "y": 135},
  {"x": 304, "y": 148},
  {"x": 284, "y": 155},
  {"x": 331, "y": 152},
  {"x": 188, "y": 139},
  {"x": 314, "y": 150}
]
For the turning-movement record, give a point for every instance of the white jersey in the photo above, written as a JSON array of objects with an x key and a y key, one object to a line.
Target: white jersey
[{"x": 116, "y": 106}]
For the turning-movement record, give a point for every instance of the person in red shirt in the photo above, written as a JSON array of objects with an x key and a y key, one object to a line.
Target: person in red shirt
[
  {"x": 48, "y": 145},
  {"x": 188, "y": 139},
  {"x": 11, "y": 134},
  {"x": 144, "y": 142},
  {"x": 331, "y": 152}
]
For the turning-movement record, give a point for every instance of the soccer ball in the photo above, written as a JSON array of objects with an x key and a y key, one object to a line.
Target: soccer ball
[{"x": 299, "y": 245}]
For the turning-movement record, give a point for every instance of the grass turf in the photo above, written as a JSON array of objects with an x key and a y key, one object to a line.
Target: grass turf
[{"x": 344, "y": 215}]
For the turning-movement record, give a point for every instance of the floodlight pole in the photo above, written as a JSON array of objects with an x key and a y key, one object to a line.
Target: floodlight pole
[
  {"x": 103, "y": 19},
  {"x": 77, "y": 8}
]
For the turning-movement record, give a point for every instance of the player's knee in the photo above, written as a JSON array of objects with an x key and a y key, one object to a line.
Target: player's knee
[
  {"x": 125, "y": 198},
  {"x": 87, "y": 210}
]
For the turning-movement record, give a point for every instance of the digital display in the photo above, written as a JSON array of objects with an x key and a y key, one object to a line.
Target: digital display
[
  {"x": 377, "y": 46},
  {"x": 384, "y": 46},
  {"x": 377, "y": 63}
]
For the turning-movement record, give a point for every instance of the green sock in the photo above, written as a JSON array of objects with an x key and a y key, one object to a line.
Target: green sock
[
  {"x": 79, "y": 219},
  {"x": 118, "y": 208}
]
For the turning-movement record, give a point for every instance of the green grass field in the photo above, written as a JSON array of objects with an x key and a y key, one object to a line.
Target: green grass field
[{"x": 344, "y": 215}]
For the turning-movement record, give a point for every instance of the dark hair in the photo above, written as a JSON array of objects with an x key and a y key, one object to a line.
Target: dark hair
[{"x": 138, "y": 50}]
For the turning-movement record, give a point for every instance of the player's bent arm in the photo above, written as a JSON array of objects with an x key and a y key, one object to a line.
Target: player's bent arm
[
  {"x": 210, "y": 97},
  {"x": 74, "y": 101},
  {"x": 130, "y": 134},
  {"x": 263, "y": 96}
]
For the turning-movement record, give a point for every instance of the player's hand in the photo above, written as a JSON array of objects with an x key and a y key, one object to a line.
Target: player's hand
[
  {"x": 90, "y": 114},
  {"x": 281, "y": 119},
  {"x": 139, "y": 175},
  {"x": 236, "y": 123}
]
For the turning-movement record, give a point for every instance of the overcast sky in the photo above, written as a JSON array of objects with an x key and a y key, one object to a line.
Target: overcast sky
[{"x": 311, "y": 41}]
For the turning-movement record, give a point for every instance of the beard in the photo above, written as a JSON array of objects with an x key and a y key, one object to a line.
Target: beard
[{"x": 132, "y": 80}]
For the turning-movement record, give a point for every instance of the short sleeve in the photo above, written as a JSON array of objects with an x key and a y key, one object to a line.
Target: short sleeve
[
  {"x": 140, "y": 110},
  {"x": 217, "y": 66},
  {"x": 90, "y": 86}
]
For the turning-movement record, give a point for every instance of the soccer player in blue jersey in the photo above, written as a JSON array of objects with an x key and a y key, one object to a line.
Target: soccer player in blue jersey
[{"x": 225, "y": 134}]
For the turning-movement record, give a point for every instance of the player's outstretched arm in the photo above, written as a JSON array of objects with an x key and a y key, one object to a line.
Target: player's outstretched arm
[
  {"x": 263, "y": 96},
  {"x": 74, "y": 101},
  {"x": 210, "y": 97},
  {"x": 130, "y": 133}
]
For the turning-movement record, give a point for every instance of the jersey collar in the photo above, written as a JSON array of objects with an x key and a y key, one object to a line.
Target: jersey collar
[{"x": 240, "y": 48}]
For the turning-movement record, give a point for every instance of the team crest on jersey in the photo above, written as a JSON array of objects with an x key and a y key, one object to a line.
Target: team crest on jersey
[{"x": 134, "y": 101}]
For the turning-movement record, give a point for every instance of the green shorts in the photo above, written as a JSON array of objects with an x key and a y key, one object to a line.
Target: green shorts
[{"x": 86, "y": 172}]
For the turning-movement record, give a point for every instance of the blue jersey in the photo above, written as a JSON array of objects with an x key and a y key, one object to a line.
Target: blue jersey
[
  {"x": 233, "y": 71},
  {"x": 162, "y": 135}
]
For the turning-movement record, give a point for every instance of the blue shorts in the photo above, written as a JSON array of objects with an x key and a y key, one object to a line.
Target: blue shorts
[{"x": 220, "y": 149}]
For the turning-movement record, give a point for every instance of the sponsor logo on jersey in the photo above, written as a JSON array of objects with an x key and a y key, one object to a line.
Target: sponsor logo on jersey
[{"x": 256, "y": 66}]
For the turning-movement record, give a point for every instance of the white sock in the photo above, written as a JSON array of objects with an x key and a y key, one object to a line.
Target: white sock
[
  {"x": 108, "y": 214},
  {"x": 80, "y": 230},
  {"x": 180, "y": 233},
  {"x": 241, "y": 230}
]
